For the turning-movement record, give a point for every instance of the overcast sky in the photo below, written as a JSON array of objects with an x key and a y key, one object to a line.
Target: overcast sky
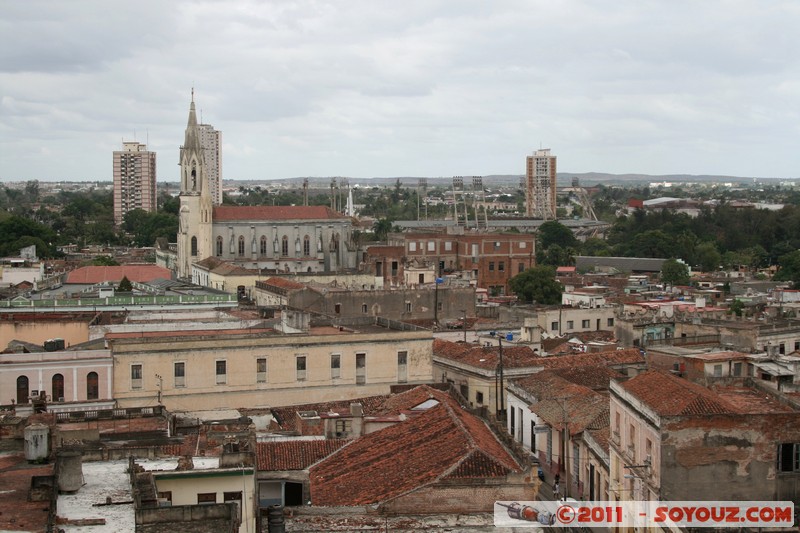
[{"x": 366, "y": 88}]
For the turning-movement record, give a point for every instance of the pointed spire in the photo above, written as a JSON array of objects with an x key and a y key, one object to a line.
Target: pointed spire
[{"x": 192, "y": 114}]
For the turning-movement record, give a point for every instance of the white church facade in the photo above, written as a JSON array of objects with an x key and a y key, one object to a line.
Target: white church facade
[{"x": 272, "y": 238}]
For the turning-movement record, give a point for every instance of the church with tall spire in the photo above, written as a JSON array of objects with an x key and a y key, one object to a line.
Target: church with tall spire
[{"x": 264, "y": 238}]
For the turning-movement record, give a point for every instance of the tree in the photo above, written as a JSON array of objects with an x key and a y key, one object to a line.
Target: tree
[
  {"x": 789, "y": 267},
  {"x": 537, "y": 284},
  {"x": 673, "y": 272},
  {"x": 653, "y": 243},
  {"x": 736, "y": 307},
  {"x": 707, "y": 256},
  {"x": 557, "y": 256},
  {"x": 125, "y": 285},
  {"x": 104, "y": 260},
  {"x": 596, "y": 247},
  {"x": 554, "y": 232},
  {"x": 382, "y": 227},
  {"x": 18, "y": 232}
]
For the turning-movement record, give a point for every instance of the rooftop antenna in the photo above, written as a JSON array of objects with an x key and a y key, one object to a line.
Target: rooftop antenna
[{"x": 147, "y": 136}]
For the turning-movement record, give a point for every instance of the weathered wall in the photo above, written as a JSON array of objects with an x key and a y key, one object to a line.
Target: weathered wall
[
  {"x": 452, "y": 301},
  {"x": 72, "y": 331},
  {"x": 218, "y": 518},
  {"x": 733, "y": 457}
]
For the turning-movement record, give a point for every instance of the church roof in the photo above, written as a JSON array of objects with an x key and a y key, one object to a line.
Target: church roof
[{"x": 274, "y": 212}]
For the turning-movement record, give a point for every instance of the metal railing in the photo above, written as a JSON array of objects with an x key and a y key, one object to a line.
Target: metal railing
[{"x": 118, "y": 300}]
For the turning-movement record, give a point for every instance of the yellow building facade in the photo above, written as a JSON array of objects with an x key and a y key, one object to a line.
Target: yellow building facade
[{"x": 189, "y": 371}]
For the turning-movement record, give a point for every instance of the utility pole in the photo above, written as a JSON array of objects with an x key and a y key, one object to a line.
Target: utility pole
[
  {"x": 502, "y": 385},
  {"x": 464, "y": 323}
]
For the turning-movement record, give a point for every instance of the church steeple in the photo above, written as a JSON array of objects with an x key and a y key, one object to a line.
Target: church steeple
[
  {"x": 196, "y": 211},
  {"x": 192, "y": 161}
]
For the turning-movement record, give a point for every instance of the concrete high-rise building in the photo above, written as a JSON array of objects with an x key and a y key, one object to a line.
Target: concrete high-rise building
[
  {"x": 134, "y": 180},
  {"x": 211, "y": 143},
  {"x": 540, "y": 181}
]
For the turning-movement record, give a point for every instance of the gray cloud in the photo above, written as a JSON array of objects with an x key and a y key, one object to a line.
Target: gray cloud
[{"x": 366, "y": 88}]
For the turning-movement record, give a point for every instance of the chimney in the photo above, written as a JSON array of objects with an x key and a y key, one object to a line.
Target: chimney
[{"x": 356, "y": 410}]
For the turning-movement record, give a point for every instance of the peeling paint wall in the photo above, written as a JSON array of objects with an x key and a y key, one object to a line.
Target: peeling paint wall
[{"x": 733, "y": 457}]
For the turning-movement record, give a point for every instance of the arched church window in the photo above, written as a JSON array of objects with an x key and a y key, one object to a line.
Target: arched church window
[
  {"x": 219, "y": 246},
  {"x": 194, "y": 178},
  {"x": 263, "y": 245},
  {"x": 241, "y": 245},
  {"x": 306, "y": 246},
  {"x": 285, "y": 246},
  {"x": 194, "y": 246}
]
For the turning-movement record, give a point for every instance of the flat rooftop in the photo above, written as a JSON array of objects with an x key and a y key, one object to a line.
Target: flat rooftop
[{"x": 16, "y": 512}]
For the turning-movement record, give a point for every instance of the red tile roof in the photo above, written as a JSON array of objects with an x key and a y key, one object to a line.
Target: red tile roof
[
  {"x": 596, "y": 378},
  {"x": 90, "y": 275},
  {"x": 670, "y": 395},
  {"x": 294, "y": 454},
  {"x": 486, "y": 357},
  {"x": 613, "y": 357},
  {"x": 601, "y": 436},
  {"x": 274, "y": 212},
  {"x": 578, "y": 407},
  {"x": 443, "y": 442}
]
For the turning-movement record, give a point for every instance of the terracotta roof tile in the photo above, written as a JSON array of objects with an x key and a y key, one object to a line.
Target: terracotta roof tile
[
  {"x": 670, "y": 395},
  {"x": 595, "y": 377},
  {"x": 601, "y": 437},
  {"x": 443, "y": 442},
  {"x": 486, "y": 357},
  {"x": 90, "y": 275},
  {"x": 612, "y": 357},
  {"x": 274, "y": 212},
  {"x": 579, "y": 406},
  {"x": 294, "y": 454}
]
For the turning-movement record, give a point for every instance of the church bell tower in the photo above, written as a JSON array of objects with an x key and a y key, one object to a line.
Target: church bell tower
[{"x": 194, "y": 231}]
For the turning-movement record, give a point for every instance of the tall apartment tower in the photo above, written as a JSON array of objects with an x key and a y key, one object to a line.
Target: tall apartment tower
[
  {"x": 134, "y": 180},
  {"x": 211, "y": 142},
  {"x": 540, "y": 181}
]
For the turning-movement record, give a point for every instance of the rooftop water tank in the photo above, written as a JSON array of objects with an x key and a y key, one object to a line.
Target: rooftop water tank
[
  {"x": 69, "y": 467},
  {"x": 37, "y": 445}
]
